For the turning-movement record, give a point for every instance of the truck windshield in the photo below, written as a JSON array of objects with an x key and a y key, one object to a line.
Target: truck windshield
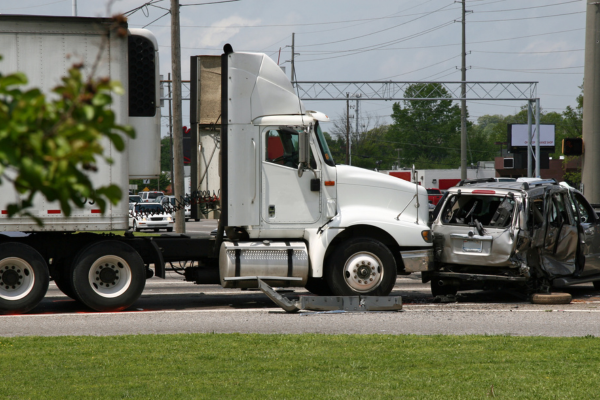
[{"x": 323, "y": 146}]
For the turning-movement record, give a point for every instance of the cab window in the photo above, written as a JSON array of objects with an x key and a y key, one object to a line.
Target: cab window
[{"x": 282, "y": 148}]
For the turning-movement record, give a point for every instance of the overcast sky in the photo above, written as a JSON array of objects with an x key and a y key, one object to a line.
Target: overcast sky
[{"x": 405, "y": 40}]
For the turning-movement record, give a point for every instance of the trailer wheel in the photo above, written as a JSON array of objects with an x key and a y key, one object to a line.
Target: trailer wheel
[
  {"x": 63, "y": 282},
  {"x": 108, "y": 276},
  {"x": 23, "y": 278},
  {"x": 361, "y": 266}
]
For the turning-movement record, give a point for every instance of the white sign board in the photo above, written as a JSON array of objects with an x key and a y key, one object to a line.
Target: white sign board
[{"x": 519, "y": 135}]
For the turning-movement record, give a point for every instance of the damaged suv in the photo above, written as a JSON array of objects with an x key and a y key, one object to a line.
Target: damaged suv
[{"x": 529, "y": 236}]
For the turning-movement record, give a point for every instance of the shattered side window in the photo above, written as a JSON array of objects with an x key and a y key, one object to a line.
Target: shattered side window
[
  {"x": 536, "y": 212},
  {"x": 492, "y": 211}
]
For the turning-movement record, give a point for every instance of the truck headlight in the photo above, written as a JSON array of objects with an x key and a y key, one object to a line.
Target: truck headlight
[{"x": 427, "y": 236}]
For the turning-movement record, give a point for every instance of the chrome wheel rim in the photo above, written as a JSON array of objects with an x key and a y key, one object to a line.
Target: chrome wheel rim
[
  {"x": 110, "y": 276},
  {"x": 16, "y": 278},
  {"x": 363, "y": 272}
]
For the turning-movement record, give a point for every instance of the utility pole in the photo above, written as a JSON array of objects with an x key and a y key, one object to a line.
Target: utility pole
[
  {"x": 171, "y": 134},
  {"x": 591, "y": 117},
  {"x": 347, "y": 128},
  {"x": 177, "y": 117},
  {"x": 293, "y": 78},
  {"x": 463, "y": 102},
  {"x": 74, "y": 8},
  {"x": 357, "y": 133}
]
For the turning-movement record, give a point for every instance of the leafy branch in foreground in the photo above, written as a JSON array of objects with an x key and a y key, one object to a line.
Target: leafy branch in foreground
[{"x": 49, "y": 146}]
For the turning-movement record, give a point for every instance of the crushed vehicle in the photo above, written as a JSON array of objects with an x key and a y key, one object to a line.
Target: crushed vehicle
[{"x": 524, "y": 236}]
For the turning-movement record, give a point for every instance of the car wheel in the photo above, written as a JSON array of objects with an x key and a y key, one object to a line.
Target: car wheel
[
  {"x": 318, "y": 286},
  {"x": 361, "y": 266},
  {"x": 108, "y": 276},
  {"x": 551, "y": 298},
  {"x": 439, "y": 289},
  {"x": 135, "y": 227},
  {"x": 23, "y": 278}
]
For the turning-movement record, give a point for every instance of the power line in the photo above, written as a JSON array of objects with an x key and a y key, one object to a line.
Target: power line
[
  {"x": 524, "y": 18},
  {"x": 529, "y": 8},
  {"x": 526, "y": 52},
  {"x": 373, "y": 33},
  {"x": 366, "y": 49},
  {"x": 419, "y": 69}
]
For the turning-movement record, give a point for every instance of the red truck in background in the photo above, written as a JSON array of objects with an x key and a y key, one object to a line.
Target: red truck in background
[{"x": 434, "y": 195}]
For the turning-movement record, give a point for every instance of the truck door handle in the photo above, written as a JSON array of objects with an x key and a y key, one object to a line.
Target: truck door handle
[{"x": 254, "y": 169}]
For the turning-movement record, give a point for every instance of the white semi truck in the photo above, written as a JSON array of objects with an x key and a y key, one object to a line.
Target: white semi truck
[{"x": 290, "y": 217}]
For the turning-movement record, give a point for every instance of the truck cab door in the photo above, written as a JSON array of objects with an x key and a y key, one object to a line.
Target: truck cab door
[
  {"x": 286, "y": 197},
  {"x": 559, "y": 253}
]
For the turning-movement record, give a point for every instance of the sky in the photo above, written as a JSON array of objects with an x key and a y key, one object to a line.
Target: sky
[{"x": 357, "y": 40}]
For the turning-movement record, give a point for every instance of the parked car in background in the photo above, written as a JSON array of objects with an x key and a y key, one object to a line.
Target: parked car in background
[
  {"x": 149, "y": 216},
  {"x": 134, "y": 198},
  {"x": 530, "y": 236},
  {"x": 150, "y": 197},
  {"x": 434, "y": 195},
  {"x": 170, "y": 205}
]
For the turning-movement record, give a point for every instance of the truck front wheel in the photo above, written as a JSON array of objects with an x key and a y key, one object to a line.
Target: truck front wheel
[
  {"x": 23, "y": 278},
  {"x": 108, "y": 276},
  {"x": 361, "y": 266}
]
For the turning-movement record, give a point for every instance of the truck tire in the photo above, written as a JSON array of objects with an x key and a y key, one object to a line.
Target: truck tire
[
  {"x": 63, "y": 282},
  {"x": 24, "y": 278},
  {"x": 361, "y": 266},
  {"x": 108, "y": 276},
  {"x": 318, "y": 286},
  {"x": 596, "y": 285}
]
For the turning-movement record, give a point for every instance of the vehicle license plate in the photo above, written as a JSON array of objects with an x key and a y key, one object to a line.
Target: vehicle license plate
[{"x": 472, "y": 246}]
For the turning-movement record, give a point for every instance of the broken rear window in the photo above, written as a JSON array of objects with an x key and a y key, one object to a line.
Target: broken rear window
[{"x": 491, "y": 211}]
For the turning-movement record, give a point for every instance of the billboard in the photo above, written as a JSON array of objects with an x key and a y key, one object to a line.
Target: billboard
[{"x": 518, "y": 136}]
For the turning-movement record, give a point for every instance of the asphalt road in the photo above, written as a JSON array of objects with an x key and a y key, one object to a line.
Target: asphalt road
[{"x": 174, "y": 306}]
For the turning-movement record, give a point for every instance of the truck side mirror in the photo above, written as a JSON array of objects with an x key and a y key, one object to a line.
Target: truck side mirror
[
  {"x": 303, "y": 151},
  {"x": 303, "y": 147}
]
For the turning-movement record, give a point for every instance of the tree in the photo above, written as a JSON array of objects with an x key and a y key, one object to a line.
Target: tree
[
  {"x": 49, "y": 146},
  {"x": 165, "y": 154},
  {"x": 423, "y": 129}
]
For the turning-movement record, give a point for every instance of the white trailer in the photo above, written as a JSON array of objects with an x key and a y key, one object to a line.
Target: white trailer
[{"x": 289, "y": 215}]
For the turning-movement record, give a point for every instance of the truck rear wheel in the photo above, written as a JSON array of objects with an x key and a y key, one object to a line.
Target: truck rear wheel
[
  {"x": 23, "y": 278},
  {"x": 361, "y": 266},
  {"x": 108, "y": 276}
]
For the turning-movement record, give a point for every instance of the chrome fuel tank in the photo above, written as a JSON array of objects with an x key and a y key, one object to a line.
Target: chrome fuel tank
[{"x": 263, "y": 259}]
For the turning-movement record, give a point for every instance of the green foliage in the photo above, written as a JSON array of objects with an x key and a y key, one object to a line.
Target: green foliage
[
  {"x": 236, "y": 366},
  {"x": 427, "y": 132},
  {"x": 154, "y": 185},
  {"x": 49, "y": 145},
  {"x": 165, "y": 154}
]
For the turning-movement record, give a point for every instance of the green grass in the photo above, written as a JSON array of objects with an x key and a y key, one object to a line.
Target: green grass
[{"x": 220, "y": 366}]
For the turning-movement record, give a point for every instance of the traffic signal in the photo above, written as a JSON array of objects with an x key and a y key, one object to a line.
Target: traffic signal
[{"x": 572, "y": 146}]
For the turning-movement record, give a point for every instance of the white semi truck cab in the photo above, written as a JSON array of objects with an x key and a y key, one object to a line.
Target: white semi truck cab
[
  {"x": 350, "y": 229},
  {"x": 290, "y": 217}
]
